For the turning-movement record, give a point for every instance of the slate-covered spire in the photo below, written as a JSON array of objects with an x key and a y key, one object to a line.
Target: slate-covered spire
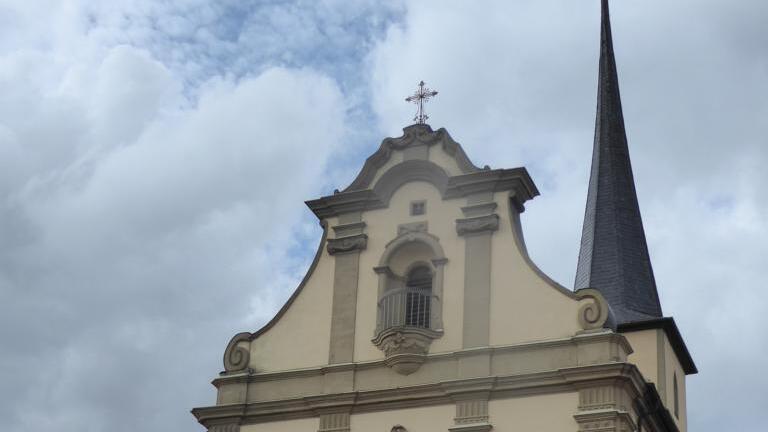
[{"x": 614, "y": 253}]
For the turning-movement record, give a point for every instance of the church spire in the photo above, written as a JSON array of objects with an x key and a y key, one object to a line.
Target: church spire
[{"x": 614, "y": 253}]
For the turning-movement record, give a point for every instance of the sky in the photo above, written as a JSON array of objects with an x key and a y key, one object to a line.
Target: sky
[{"x": 155, "y": 156}]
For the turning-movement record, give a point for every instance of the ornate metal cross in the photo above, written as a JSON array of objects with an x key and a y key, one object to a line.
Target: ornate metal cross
[{"x": 422, "y": 95}]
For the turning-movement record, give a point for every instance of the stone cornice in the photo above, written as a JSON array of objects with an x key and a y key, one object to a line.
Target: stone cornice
[
  {"x": 412, "y": 135},
  {"x": 516, "y": 180},
  {"x": 673, "y": 334},
  {"x": 553, "y": 381}
]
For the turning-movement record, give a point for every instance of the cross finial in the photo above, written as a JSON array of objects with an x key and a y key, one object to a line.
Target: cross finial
[{"x": 423, "y": 94}]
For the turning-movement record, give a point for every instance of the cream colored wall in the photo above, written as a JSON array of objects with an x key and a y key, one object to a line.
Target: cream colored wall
[
  {"x": 395, "y": 158},
  {"x": 429, "y": 419},
  {"x": 645, "y": 355},
  {"x": 673, "y": 367},
  {"x": 524, "y": 307},
  {"x": 300, "y": 425},
  {"x": 545, "y": 413},
  {"x": 443, "y": 159},
  {"x": 533, "y": 413},
  {"x": 301, "y": 337},
  {"x": 381, "y": 227}
]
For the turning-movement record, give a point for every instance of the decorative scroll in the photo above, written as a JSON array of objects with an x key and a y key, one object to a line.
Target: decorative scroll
[
  {"x": 236, "y": 358},
  {"x": 474, "y": 225},
  {"x": 347, "y": 244},
  {"x": 592, "y": 315}
]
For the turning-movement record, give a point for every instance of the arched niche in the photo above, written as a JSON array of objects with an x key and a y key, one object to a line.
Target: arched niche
[
  {"x": 403, "y": 332},
  {"x": 410, "y": 171},
  {"x": 401, "y": 255}
]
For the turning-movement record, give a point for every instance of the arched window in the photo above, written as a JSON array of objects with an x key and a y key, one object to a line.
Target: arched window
[
  {"x": 418, "y": 291},
  {"x": 676, "y": 394}
]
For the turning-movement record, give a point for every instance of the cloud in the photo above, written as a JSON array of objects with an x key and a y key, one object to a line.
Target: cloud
[
  {"x": 142, "y": 228},
  {"x": 154, "y": 157},
  {"x": 517, "y": 84}
]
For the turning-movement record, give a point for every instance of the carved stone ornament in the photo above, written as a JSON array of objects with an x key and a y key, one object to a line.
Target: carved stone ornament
[
  {"x": 405, "y": 348},
  {"x": 236, "y": 358},
  {"x": 477, "y": 224},
  {"x": 347, "y": 244},
  {"x": 595, "y": 314}
]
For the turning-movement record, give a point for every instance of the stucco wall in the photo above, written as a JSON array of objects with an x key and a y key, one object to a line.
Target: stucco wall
[
  {"x": 543, "y": 413},
  {"x": 300, "y": 338}
]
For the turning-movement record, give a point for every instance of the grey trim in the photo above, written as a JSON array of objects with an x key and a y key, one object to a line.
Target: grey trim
[
  {"x": 412, "y": 227},
  {"x": 345, "y": 280},
  {"x": 482, "y": 209},
  {"x": 334, "y": 422},
  {"x": 516, "y": 180},
  {"x": 236, "y": 358},
  {"x": 349, "y": 229},
  {"x": 471, "y": 411},
  {"x": 410, "y": 171},
  {"x": 412, "y": 135},
  {"x": 420, "y": 151},
  {"x": 442, "y": 391},
  {"x": 350, "y": 218},
  {"x": 477, "y": 225},
  {"x": 341, "y": 245},
  {"x": 477, "y": 289},
  {"x": 228, "y": 427}
]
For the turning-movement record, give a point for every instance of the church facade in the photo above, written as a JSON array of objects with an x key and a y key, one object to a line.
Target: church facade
[{"x": 423, "y": 312}]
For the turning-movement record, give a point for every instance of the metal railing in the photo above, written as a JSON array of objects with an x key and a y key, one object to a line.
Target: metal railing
[{"x": 405, "y": 307}]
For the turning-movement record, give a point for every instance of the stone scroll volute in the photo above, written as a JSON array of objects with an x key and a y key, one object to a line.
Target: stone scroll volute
[
  {"x": 236, "y": 356},
  {"x": 594, "y": 311}
]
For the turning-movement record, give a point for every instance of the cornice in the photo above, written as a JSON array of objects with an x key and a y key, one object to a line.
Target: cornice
[
  {"x": 553, "y": 381},
  {"x": 412, "y": 135},
  {"x": 673, "y": 334},
  {"x": 515, "y": 180}
]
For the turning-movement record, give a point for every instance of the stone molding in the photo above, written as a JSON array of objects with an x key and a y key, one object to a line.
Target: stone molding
[
  {"x": 482, "y": 209},
  {"x": 594, "y": 315},
  {"x": 544, "y": 382},
  {"x": 471, "y": 416},
  {"x": 237, "y": 357},
  {"x": 350, "y": 229},
  {"x": 516, "y": 180},
  {"x": 412, "y": 135},
  {"x": 605, "y": 421},
  {"x": 478, "y": 224},
  {"x": 334, "y": 422},
  {"x": 412, "y": 227},
  {"x": 405, "y": 348},
  {"x": 347, "y": 244},
  {"x": 229, "y": 427}
]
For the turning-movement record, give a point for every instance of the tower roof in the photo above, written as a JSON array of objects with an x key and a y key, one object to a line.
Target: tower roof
[{"x": 614, "y": 254}]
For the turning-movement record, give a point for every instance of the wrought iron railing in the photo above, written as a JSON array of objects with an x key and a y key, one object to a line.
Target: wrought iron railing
[{"x": 405, "y": 307}]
